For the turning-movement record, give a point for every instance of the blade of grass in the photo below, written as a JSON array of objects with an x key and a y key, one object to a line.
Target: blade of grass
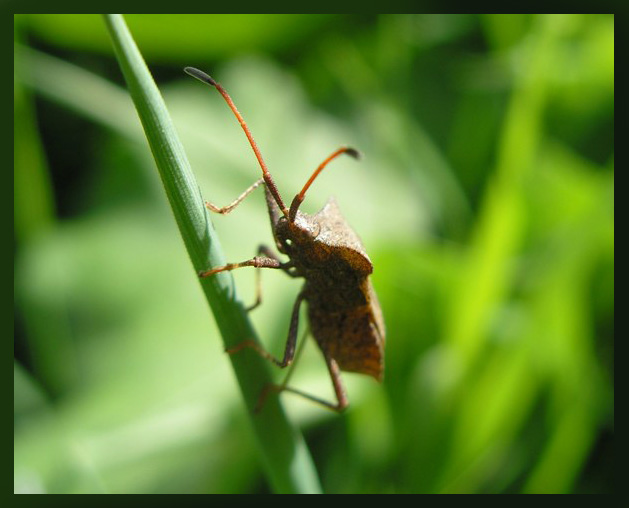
[
  {"x": 501, "y": 225},
  {"x": 286, "y": 458}
]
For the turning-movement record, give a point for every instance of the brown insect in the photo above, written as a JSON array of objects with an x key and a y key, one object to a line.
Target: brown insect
[{"x": 343, "y": 310}]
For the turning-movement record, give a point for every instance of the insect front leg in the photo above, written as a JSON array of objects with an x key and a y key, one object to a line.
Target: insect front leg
[
  {"x": 263, "y": 249},
  {"x": 257, "y": 262},
  {"x": 288, "y": 268},
  {"x": 226, "y": 209},
  {"x": 268, "y": 260}
]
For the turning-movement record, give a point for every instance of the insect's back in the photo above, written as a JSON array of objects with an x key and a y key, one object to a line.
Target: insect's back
[{"x": 343, "y": 309}]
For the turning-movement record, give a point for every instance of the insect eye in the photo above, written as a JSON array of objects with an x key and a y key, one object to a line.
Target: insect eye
[{"x": 317, "y": 230}]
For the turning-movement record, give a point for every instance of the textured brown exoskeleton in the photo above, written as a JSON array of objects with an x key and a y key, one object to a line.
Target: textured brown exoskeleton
[{"x": 343, "y": 310}]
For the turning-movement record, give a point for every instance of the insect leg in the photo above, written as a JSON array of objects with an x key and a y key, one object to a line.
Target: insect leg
[
  {"x": 257, "y": 262},
  {"x": 270, "y": 387},
  {"x": 263, "y": 249},
  {"x": 335, "y": 373},
  {"x": 289, "y": 350},
  {"x": 226, "y": 209}
]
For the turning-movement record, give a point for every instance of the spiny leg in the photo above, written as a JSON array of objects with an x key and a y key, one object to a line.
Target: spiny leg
[
  {"x": 289, "y": 350},
  {"x": 288, "y": 359},
  {"x": 263, "y": 249},
  {"x": 270, "y": 387},
  {"x": 269, "y": 260},
  {"x": 257, "y": 262},
  {"x": 339, "y": 391},
  {"x": 226, "y": 209}
]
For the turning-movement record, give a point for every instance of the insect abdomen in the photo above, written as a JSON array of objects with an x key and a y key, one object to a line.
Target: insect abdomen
[{"x": 351, "y": 334}]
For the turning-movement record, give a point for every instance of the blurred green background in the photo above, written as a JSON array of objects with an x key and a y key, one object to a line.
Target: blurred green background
[{"x": 485, "y": 199}]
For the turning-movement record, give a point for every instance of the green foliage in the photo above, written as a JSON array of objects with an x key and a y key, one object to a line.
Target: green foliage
[{"x": 485, "y": 200}]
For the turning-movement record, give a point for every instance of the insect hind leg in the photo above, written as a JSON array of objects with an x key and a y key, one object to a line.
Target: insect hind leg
[{"x": 341, "y": 397}]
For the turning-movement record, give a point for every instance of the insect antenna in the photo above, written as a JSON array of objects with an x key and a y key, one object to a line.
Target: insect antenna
[
  {"x": 300, "y": 197},
  {"x": 268, "y": 179}
]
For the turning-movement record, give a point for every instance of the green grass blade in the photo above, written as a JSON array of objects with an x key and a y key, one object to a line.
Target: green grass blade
[{"x": 287, "y": 460}]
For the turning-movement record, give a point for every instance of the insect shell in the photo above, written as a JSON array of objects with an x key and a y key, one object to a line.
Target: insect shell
[{"x": 343, "y": 309}]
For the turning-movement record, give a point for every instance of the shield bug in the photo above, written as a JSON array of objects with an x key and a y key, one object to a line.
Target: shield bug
[{"x": 343, "y": 310}]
